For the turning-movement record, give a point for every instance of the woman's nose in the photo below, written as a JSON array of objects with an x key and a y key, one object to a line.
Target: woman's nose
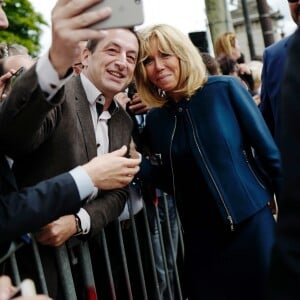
[{"x": 159, "y": 64}]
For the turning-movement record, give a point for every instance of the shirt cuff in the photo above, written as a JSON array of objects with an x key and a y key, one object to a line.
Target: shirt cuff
[
  {"x": 48, "y": 77},
  {"x": 83, "y": 182},
  {"x": 85, "y": 220}
]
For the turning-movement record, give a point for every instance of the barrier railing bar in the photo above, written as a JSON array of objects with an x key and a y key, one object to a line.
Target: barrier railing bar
[
  {"x": 102, "y": 239},
  {"x": 65, "y": 273},
  {"x": 15, "y": 269},
  {"x": 171, "y": 243},
  {"x": 163, "y": 252},
  {"x": 124, "y": 260},
  {"x": 137, "y": 249},
  {"x": 87, "y": 270},
  {"x": 151, "y": 256},
  {"x": 39, "y": 266}
]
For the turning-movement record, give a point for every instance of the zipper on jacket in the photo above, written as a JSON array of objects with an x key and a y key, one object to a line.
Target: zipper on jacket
[
  {"x": 229, "y": 217},
  {"x": 252, "y": 171},
  {"x": 172, "y": 168},
  {"x": 170, "y": 155}
]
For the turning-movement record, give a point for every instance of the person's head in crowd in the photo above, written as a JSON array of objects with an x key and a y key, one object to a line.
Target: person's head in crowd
[
  {"x": 227, "y": 45},
  {"x": 16, "y": 65},
  {"x": 13, "y": 57},
  {"x": 166, "y": 50},
  {"x": 229, "y": 66},
  {"x": 12, "y": 49},
  {"x": 77, "y": 66},
  {"x": 109, "y": 63},
  {"x": 295, "y": 11},
  {"x": 15, "y": 62},
  {"x": 211, "y": 63}
]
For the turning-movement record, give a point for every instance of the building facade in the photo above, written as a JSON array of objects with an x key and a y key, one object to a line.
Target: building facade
[{"x": 239, "y": 25}]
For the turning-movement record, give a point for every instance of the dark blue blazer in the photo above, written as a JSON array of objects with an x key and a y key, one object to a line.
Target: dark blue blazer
[
  {"x": 26, "y": 210},
  {"x": 285, "y": 264},
  {"x": 225, "y": 124},
  {"x": 274, "y": 59}
]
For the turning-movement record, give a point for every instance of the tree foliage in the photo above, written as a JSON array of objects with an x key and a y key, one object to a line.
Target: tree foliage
[{"x": 24, "y": 25}]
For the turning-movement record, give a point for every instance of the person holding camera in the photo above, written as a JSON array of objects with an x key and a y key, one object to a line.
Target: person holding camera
[{"x": 60, "y": 195}]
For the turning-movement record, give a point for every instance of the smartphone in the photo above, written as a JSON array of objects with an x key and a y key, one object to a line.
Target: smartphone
[{"x": 125, "y": 13}]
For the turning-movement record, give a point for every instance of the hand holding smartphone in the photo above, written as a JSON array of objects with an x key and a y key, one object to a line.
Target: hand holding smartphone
[{"x": 125, "y": 13}]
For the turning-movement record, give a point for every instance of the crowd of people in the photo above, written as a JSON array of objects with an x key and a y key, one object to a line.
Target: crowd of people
[{"x": 116, "y": 111}]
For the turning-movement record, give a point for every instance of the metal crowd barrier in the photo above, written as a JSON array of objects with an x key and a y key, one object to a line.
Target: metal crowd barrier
[{"x": 150, "y": 279}]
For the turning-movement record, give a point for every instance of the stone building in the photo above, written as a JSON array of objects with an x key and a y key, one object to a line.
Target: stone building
[{"x": 257, "y": 35}]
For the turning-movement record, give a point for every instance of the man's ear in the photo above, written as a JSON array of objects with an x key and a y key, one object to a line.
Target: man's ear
[{"x": 85, "y": 54}]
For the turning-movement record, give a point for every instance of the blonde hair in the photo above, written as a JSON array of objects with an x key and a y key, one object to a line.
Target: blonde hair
[
  {"x": 171, "y": 41},
  {"x": 224, "y": 44},
  {"x": 256, "y": 69}
]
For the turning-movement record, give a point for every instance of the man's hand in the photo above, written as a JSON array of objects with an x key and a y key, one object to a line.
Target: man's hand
[
  {"x": 122, "y": 99},
  {"x": 69, "y": 27},
  {"x": 56, "y": 233},
  {"x": 137, "y": 106},
  {"x": 112, "y": 170}
]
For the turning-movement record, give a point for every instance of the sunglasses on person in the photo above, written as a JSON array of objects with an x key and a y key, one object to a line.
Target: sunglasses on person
[
  {"x": 293, "y": 1},
  {"x": 10, "y": 82}
]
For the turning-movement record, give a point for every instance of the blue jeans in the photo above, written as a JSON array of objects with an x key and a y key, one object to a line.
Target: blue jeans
[{"x": 169, "y": 262}]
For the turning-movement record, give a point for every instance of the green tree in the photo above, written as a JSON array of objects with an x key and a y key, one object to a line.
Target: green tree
[{"x": 24, "y": 25}]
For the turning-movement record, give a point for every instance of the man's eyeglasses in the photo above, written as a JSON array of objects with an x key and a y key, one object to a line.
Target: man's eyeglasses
[
  {"x": 10, "y": 82},
  {"x": 293, "y": 1}
]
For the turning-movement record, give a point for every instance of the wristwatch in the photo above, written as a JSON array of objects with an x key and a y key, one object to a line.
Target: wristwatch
[{"x": 78, "y": 225}]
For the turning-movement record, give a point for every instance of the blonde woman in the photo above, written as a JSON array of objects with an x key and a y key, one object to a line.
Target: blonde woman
[
  {"x": 200, "y": 136},
  {"x": 227, "y": 44}
]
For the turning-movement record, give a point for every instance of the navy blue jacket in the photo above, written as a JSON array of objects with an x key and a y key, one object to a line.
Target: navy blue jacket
[
  {"x": 27, "y": 210},
  {"x": 274, "y": 60},
  {"x": 285, "y": 264},
  {"x": 225, "y": 126}
]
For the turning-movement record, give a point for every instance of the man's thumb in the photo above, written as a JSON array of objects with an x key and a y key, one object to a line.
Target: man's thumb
[{"x": 121, "y": 151}]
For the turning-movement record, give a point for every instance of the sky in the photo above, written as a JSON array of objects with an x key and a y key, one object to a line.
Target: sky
[{"x": 188, "y": 17}]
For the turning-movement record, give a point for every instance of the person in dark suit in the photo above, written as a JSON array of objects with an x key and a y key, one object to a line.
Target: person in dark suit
[
  {"x": 274, "y": 59},
  {"x": 285, "y": 263}
]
